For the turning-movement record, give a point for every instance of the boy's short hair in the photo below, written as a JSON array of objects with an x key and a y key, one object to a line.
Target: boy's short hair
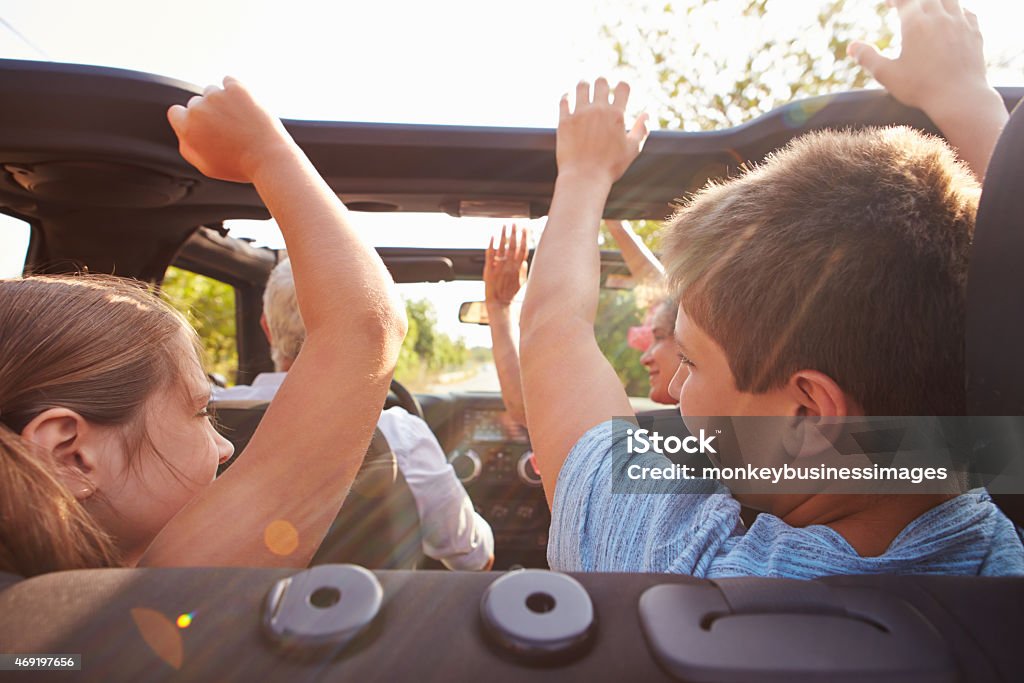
[{"x": 845, "y": 252}]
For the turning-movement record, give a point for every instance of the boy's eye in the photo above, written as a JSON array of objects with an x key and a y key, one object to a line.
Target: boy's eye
[{"x": 685, "y": 361}]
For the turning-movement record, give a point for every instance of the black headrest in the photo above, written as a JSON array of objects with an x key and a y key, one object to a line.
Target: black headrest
[
  {"x": 995, "y": 297},
  {"x": 995, "y": 285}
]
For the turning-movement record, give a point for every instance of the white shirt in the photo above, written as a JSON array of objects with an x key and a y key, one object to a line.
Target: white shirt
[{"x": 452, "y": 531}]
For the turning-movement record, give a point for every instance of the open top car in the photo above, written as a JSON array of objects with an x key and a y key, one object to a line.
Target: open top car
[{"x": 90, "y": 163}]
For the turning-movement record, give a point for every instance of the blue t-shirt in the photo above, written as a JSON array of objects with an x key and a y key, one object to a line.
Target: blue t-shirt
[{"x": 697, "y": 530}]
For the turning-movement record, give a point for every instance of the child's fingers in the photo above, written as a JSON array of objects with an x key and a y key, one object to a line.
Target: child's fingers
[
  {"x": 563, "y": 108},
  {"x": 621, "y": 95},
  {"x": 638, "y": 134},
  {"x": 601, "y": 91},
  {"x": 210, "y": 89},
  {"x": 953, "y": 7},
  {"x": 972, "y": 19},
  {"x": 868, "y": 56},
  {"x": 232, "y": 82},
  {"x": 193, "y": 101},
  {"x": 582, "y": 95},
  {"x": 176, "y": 116},
  {"x": 905, "y": 7}
]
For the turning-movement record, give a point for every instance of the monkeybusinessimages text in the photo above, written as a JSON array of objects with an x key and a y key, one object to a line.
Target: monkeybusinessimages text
[{"x": 643, "y": 441}]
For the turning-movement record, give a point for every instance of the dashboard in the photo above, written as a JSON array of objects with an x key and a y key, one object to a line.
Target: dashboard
[{"x": 492, "y": 457}]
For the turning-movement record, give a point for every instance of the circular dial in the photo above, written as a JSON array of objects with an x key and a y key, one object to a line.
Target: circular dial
[
  {"x": 527, "y": 470},
  {"x": 467, "y": 466}
]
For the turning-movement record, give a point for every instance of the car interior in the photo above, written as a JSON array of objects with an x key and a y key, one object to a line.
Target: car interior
[{"x": 90, "y": 164}]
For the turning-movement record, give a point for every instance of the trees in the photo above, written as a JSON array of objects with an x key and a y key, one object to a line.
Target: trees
[
  {"x": 705, "y": 64},
  {"x": 617, "y": 311},
  {"x": 708, "y": 64},
  {"x": 210, "y": 306},
  {"x": 426, "y": 351}
]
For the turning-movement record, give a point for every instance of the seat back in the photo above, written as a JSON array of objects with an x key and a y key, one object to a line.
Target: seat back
[
  {"x": 378, "y": 525},
  {"x": 995, "y": 291}
]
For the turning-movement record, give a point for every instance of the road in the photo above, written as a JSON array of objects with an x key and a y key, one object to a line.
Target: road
[{"x": 485, "y": 379}]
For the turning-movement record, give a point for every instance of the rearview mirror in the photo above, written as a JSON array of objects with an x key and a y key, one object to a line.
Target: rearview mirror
[{"x": 473, "y": 312}]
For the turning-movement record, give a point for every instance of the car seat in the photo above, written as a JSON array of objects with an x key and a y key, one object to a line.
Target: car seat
[
  {"x": 995, "y": 314},
  {"x": 378, "y": 526}
]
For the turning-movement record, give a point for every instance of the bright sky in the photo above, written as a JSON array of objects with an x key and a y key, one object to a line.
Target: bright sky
[{"x": 448, "y": 61}]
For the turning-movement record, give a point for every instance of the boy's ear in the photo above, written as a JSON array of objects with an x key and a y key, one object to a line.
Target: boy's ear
[
  {"x": 61, "y": 433},
  {"x": 817, "y": 395}
]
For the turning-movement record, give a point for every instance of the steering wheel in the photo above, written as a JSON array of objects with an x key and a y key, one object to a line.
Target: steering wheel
[{"x": 404, "y": 399}]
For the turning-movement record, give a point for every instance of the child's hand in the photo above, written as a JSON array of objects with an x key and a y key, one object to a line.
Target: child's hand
[
  {"x": 225, "y": 133},
  {"x": 505, "y": 267},
  {"x": 593, "y": 139},
  {"x": 941, "y": 63}
]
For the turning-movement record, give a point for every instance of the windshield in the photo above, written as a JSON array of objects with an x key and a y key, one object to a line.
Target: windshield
[{"x": 443, "y": 355}]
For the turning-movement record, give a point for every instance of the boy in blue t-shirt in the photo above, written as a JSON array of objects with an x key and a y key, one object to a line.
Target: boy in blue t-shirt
[{"x": 827, "y": 282}]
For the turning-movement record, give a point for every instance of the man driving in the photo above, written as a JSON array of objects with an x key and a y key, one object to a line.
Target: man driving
[{"x": 453, "y": 532}]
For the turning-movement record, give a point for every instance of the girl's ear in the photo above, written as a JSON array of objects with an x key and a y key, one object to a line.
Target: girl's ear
[{"x": 62, "y": 433}]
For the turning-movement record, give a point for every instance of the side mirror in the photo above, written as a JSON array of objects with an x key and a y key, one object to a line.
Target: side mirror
[{"x": 473, "y": 312}]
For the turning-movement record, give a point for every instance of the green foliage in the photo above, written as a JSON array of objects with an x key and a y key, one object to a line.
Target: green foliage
[
  {"x": 480, "y": 355},
  {"x": 709, "y": 64},
  {"x": 716, "y": 63},
  {"x": 648, "y": 231},
  {"x": 617, "y": 311},
  {"x": 427, "y": 352},
  {"x": 210, "y": 307}
]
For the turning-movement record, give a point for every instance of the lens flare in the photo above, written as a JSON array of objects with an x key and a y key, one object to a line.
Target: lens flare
[
  {"x": 185, "y": 620},
  {"x": 798, "y": 114},
  {"x": 160, "y": 635},
  {"x": 281, "y": 537}
]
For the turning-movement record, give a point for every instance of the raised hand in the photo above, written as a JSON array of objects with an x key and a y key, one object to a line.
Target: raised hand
[
  {"x": 941, "y": 70},
  {"x": 225, "y": 133},
  {"x": 505, "y": 266},
  {"x": 593, "y": 140},
  {"x": 941, "y": 58}
]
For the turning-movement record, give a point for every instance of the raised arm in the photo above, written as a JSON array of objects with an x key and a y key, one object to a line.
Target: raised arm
[
  {"x": 504, "y": 275},
  {"x": 568, "y": 385},
  {"x": 275, "y": 504},
  {"x": 941, "y": 70},
  {"x": 643, "y": 264}
]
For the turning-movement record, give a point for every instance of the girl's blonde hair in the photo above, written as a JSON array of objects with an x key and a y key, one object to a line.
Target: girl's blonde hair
[{"x": 99, "y": 346}]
